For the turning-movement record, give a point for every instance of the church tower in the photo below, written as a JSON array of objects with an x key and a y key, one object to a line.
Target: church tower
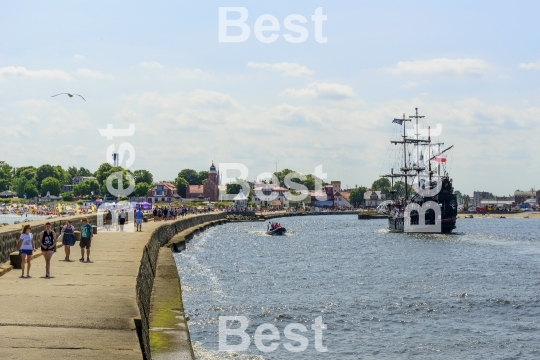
[{"x": 210, "y": 186}]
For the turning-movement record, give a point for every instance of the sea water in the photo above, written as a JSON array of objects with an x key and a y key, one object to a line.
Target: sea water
[
  {"x": 10, "y": 219},
  {"x": 473, "y": 294}
]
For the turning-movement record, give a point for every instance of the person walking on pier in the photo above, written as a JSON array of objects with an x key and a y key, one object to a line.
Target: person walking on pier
[
  {"x": 86, "y": 239},
  {"x": 122, "y": 219},
  {"x": 47, "y": 241},
  {"x": 139, "y": 219},
  {"x": 68, "y": 238},
  {"x": 26, "y": 249}
]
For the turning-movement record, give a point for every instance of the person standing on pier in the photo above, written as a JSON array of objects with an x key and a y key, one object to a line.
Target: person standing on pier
[
  {"x": 47, "y": 241},
  {"x": 87, "y": 232},
  {"x": 122, "y": 219},
  {"x": 139, "y": 219},
  {"x": 69, "y": 238},
  {"x": 26, "y": 249}
]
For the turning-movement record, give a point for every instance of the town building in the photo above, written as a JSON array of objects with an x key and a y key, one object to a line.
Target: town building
[
  {"x": 373, "y": 199},
  {"x": 336, "y": 185},
  {"x": 341, "y": 200},
  {"x": 209, "y": 190},
  {"x": 275, "y": 194},
  {"x": 478, "y": 196},
  {"x": 163, "y": 192},
  {"x": 522, "y": 196},
  {"x": 79, "y": 179}
]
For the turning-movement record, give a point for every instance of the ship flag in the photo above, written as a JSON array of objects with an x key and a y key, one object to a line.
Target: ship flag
[
  {"x": 398, "y": 121},
  {"x": 440, "y": 158}
]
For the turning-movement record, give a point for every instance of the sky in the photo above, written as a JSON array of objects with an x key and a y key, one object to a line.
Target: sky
[{"x": 473, "y": 67}]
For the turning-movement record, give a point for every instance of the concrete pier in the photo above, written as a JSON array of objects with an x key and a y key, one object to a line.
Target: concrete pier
[{"x": 89, "y": 310}]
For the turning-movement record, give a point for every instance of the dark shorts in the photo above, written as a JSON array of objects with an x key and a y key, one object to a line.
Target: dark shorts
[
  {"x": 26, "y": 252},
  {"x": 122, "y": 221},
  {"x": 44, "y": 250},
  {"x": 85, "y": 242}
]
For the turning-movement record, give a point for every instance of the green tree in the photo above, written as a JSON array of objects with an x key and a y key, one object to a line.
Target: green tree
[
  {"x": 143, "y": 176},
  {"x": 102, "y": 172},
  {"x": 24, "y": 169},
  {"x": 381, "y": 184},
  {"x": 281, "y": 176},
  {"x": 142, "y": 188},
  {"x": 202, "y": 176},
  {"x": 125, "y": 180},
  {"x": 51, "y": 185},
  {"x": 85, "y": 188},
  {"x": 459, "y": 197},
  {"x": 4, "y": 184},
  {"x": 234, "y": 188},
  {"x": 30, "y": 189},
  {"x": 72, "y": 171},
  {"x": 399, "y": 187},
  {"x": 67, "y": 196},
  {"x": 28, "y": 172},
  {"x": 84, "y": 172},
  {"x": 190, "y": 176},
  {"x": 181, "y": 186},
  {"x": 5, "y": 172},
  {"x": 356, "y": 197},
  {"x": 46, "y": 171},
  {"x": 18, "y": 184}
]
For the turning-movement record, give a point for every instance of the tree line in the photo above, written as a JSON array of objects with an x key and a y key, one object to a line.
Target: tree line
[
  {"x": 33, "y": 182},
  {"x": 38, "y": 181}
]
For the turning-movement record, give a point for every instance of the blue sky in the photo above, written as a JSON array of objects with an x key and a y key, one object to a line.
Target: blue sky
[{"x": 473, "y": 67}]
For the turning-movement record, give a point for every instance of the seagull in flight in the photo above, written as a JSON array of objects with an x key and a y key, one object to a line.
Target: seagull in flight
[{"x": 70, "y": 95}]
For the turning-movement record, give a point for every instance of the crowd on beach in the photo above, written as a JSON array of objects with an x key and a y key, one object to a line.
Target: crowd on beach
[{"x": 45, "y": 210}]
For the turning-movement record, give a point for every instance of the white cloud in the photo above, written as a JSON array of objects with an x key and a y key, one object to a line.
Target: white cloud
[
  {"x": 323, "y": 90},
  {"x": 79, "y": 57},
  {"x": 93, "y": 74},
  {"x": 34, "y": 74},
  {"x": 285, "y": 68},
  {"x": 452, "y": 67},
  {"x": 151, "y": 65},
  {"x": 530, "y": 66},
  {"x": 198, "y": 98},
  {"x": 13, "y": 131},
  {"x": 194, "y": 74},
  {"x": 409, "y": 85}
]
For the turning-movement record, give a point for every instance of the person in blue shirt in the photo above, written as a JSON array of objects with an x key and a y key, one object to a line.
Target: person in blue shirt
[
  {"x": 139, "y": 219},
  {"x": 87, "y": 232}
]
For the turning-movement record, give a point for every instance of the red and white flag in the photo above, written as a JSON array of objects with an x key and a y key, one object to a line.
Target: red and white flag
[{"x": 440, "y": 158}]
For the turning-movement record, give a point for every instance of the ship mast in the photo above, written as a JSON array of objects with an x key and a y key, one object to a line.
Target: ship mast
[
  {"x": 407, "y": 140},
  {"x": 417, "y": 132}
]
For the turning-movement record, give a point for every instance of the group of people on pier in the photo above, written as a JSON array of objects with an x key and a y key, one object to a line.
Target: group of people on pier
[
  {"x": 164, "y": 213},
  {"x": 47, "y": 242}
]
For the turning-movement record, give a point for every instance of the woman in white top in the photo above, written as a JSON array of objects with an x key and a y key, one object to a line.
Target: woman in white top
[{"x": 26, "y": 248}]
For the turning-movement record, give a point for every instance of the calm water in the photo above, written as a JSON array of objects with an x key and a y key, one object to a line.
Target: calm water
[
  {"x": 473, "y": 295},
  {"x": 10, "y": 219}
]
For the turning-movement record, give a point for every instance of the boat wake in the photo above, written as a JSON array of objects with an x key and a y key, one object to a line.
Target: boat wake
[{"x": 204, "y": 354}]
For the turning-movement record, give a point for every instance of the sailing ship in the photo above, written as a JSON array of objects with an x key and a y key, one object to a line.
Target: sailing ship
[{"x": 425, "y": 201}]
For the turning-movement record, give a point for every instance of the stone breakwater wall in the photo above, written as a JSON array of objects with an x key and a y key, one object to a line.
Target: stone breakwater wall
[
  {"x": 9, "y": 235},
  {"x": 148, "y": 267}
]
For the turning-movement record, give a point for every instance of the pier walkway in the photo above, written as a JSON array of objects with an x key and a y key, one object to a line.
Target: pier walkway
[{"x": 85, "y": 311}]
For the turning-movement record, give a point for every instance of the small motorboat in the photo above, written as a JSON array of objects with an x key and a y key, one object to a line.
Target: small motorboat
[{"x": 278, "y": 231}]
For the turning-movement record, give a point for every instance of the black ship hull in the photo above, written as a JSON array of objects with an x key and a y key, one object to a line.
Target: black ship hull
[
  {"x": 446, "y": 202},
  {"x": 396, "y": 224}
]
